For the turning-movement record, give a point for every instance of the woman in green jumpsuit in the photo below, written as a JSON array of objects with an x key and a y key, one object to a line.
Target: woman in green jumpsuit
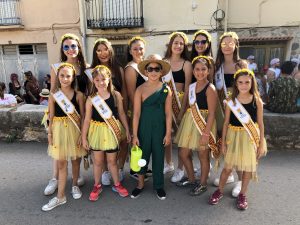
[{"x": 152, "y": 122}]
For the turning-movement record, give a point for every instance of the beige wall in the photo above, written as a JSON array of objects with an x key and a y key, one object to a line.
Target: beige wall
[{"x": 44, "y": 22}]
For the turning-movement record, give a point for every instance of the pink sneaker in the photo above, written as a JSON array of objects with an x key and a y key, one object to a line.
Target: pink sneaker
[
  {"x": 241, "y": 202},
  {"x": 120, "y": 190},
  {"x": 94, "y": 195},
  {"x": 215, "y": 197}
]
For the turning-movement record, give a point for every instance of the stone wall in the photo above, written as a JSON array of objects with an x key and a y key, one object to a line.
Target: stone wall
[{"x": 23, "y": 123}]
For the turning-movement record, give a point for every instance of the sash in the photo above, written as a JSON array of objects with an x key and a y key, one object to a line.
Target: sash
[
  {"x": 135, "y": 67},
  {"x": 221, "y": 86},
  {"x": 106, "y": 113},
  {"x": 69, "y": 109},
  {"x": 176, "y": 106},
  {"x": 55, "y": 67},
  {"x": 245, "y": 119},
  {"x": 88, "y": 72},
  {"x": 200, "y": 121}
]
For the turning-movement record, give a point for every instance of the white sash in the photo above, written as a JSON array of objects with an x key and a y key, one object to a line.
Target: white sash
[
  {"x": 55, "y": 67},
  {"x": 200, "y": 121},
  {"x": 220, "y": 80},
  {"x": 88, "y": 72},
  {"x": 176, "y": 105},
  {"x": 135, "y": 67},
  {"x": 245, "y": 119},
  {"x": 69, "y": 109},
  {"x": 107, "y": 115}
]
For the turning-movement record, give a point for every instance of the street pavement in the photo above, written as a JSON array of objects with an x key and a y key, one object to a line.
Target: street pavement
[{"x": 25, "y": 169}]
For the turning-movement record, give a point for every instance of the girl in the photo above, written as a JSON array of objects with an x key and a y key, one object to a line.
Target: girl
[
  {"x": 152, "y": 122},
  {"x": 70, "y": 52},
  {"x": 202, "y": 46},
  {"x": 133, "y": 77},
  {"x": 227, "y": 58},
  {"x": 65, "y": 107},
  {"x": 103, "y": 54},
  {"x": 6, "y": 99},
  {"x": 177, "y": 56},
  {"x": 15, "y": 87},
  {"x": 101, "y": 131},
  {"x": 242, "y": 145},
  {"x": 188, "y": 136}
]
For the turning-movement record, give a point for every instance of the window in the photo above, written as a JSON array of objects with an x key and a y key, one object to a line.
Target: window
[{"x": 10, "y": 12}]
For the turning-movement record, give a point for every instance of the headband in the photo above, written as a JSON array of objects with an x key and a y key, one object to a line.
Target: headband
[
  {"x": 135, "y": 39},
  {"x": 230, "y": 34},
  {"x": 203, "y": 32},
  {"x": 244, "y": 71},
  {"x": 66, "y": 65},
  {"x": 201, "y": 57},
  {"x": 101, "y": 67},
  {"x": 69, "y": 35},
  {"x": 101, "y": 40},
  {"x": 183, "y": 35}
]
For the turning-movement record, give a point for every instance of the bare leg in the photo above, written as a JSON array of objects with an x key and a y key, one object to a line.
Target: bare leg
[
  {"x": 205, "y": 166},
  {"x": 168, "y": 154},
  {"x": 62, "y": 178},
  {"x": 54, "y": 169},
  {"x": 141, "y": 181},
  {"x": 223, "y": 178},
  {"x": 75, "y": 170},
  {"x": 122, "y": 155},
  {"x": 112, "y": 166},
  {"x": 184, "y": 155},
  {"x": 245, "y": 181},
  {"x": 98, "y": 165}
]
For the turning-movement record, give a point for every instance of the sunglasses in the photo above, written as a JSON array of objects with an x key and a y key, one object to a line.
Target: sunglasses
[
  {"x": 72, "y": 46},
  {"x": 202, "y": 42},
  {"x": 151, "y": 69},
  {"x": 230, "y": 44}
]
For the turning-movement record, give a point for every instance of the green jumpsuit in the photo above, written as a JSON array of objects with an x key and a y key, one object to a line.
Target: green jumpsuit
[{"x": 151, "y": 132}]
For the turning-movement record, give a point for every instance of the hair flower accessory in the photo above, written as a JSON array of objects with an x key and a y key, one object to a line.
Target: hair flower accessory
[
  {"x": 135, "y": 39},
  {"x": 183, "y": 35},
  {"x": 101, "y": 40},
  {"x": 69, "y": 35},
  {"x": 203, "y": 32},
  {"x": 230, "y": 34},
  {"x": 201, "y": 57},
  {"x": 244, "y": 71}
]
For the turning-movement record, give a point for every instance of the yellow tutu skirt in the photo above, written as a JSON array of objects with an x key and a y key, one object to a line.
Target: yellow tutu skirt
[
  {"x": 100, "y": 137},
  {"x": 188, "y": 135},
  {"x": 241, "y": 154},
  {"x": 65, "y": 137}
]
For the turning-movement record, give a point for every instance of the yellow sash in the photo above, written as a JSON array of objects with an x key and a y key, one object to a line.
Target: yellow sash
[
  {"x": 106, "y": 113},
  {"x": 55, "y": 67},
  {"x": 200, "y": 122},
  {"x": 88, "y": 72},
  {"x": 135, "y": 67},
  {"x": 69, "y": 109},
  {"x": 176, "y": 105},
  {"x": 245, "y": 119}
]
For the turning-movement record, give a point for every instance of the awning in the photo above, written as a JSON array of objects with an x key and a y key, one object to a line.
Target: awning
[{"x": 255, "y": 39}]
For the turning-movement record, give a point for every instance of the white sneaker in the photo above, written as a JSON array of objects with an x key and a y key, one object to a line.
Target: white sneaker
[
  {"x": 51, "y": 187},
  {"x": 229, "y": 180},
  {"x": 237, "y": 189},
  {"x": 76, "y": 193},
  {"x": 54, "y": 202},
  {"x": 80, "y": 181},
  {"x": 106, "y": 177},
  {"x": 121, "y": 175},
  {"x": 168, "y": 168},
  {"x": 177, "y": 176}
]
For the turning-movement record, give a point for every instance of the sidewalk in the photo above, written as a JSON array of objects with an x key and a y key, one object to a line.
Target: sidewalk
[{"x": 25, "y": 169}]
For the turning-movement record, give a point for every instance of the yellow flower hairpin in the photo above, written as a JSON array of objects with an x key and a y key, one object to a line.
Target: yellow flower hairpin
[
  {"x": 66, "y": 65},
  {"x": 101, "y": 40},
  {"x": 69, "y": 35},
  {"x": 183, "y": 35}
]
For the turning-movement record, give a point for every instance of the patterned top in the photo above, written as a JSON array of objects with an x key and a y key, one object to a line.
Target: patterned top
[{"x": 283, "y": 94}]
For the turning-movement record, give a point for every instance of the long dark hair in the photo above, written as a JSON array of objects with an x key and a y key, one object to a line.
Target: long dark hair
[
  {"x": 208, "y": 51},
  {"x": 220, "y": 56},
  {"x": 113, "y": 64},
  {"x": 184, "y": 53}
]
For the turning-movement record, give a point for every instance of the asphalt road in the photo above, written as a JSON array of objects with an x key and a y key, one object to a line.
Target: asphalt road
[{"x": 25, "y": 169}]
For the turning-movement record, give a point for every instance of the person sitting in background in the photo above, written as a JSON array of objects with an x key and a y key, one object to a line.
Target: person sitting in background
[
  {"x": 251, "y": 64},
  {"x": 284, "y": 91},
  {"x": 44, "y": 97},
  {"x": 15, "y": 87},
  {"x": 47, "y": 82},
  {"x": 6, "y": 99},
  {"x": 32, "y": 89}
]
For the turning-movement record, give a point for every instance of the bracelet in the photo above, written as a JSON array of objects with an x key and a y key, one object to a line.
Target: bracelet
[{"x": 205, "y": 134}]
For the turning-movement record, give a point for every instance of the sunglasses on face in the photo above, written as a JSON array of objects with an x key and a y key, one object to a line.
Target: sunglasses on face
[
  {"x": 151, "y": 69},
  {"x": 230, "y": 44},
  {"x": 72, "y": 46},
  {"x": 202, "y": 42}
]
